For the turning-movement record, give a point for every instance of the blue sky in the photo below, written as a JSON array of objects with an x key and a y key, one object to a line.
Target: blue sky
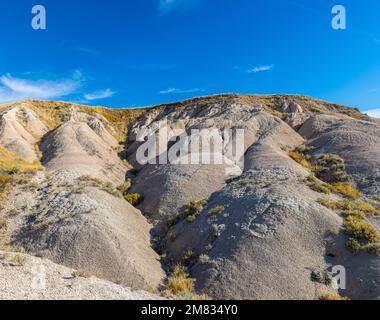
[{"x": 123, "y": 53}]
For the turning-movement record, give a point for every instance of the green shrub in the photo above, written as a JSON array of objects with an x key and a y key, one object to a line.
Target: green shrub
[
  {"x": 359, "y": 229},
  {"x": 317, "y": 186},
  {"x": 172, "y": 221},
  {"x": 334, "y": 232},
  {"x": 191, "y": 219},
  {"x": 204, "y": 259},
  {"x": 332, "y": 169},
  {"x": 354, "y": 246},
  {"x": 305, "y": 149},
  {"x": 125, "y": 186},
  {"x": 322, "y": 277},
  {"x": 134, "y": 199},
  {"x": 188, "y": 257},
  {"x": 193, "y": 210},
  {"x": 216, "y": 210}
]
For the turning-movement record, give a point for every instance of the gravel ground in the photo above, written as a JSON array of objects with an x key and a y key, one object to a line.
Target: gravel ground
[{"x": 24, "y": 277}]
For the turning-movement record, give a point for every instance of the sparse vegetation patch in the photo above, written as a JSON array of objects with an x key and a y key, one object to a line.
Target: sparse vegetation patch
[{"x": 134, "y": 199}]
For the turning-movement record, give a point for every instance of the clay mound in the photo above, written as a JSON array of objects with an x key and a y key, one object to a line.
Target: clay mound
[
  {"x": 98, "y": 125},
  {"x": 40, "y": 279},
  {"x": 357, "y": 142},
  {"x": 167, "y": 188},
  {"x": 74, "y": 149},
  {"x": 266, "y": 237},
  {"x": 20, "y": 131},
  {"x": 94, "y": 231}
]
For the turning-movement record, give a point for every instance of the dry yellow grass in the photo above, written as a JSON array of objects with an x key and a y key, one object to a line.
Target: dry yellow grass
[
  {"x": 54, "y": 113},
  {"x": 347, "y": 190},
  {"x": 8, "y": 161},
  {"x": 302, "y": 159},
  {"x": 179, "y": 282},
  {"x": 330, "y": 296},
  {"x": 358, "y": 228}
]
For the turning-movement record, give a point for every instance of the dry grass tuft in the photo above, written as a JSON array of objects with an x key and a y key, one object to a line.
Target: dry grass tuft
[
  {"x": 347, "y": 190},
  {"x": 330, "y": 296},
  {"x": 180, "y": 282}
]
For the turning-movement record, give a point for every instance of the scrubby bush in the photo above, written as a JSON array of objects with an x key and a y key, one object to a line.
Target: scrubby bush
[
  {"x": 188, "y": 257},
  {"x": 204, "y": 259},
  {"x": 358, "y": 228},
  {"x": 216, "y": 210},
  {"x": 332, "y": 169},
  {"x": 334, "y": 232},
  {"x": 134, "y": 198},
  {"x": 301, "y": 158},
  {"x": 354, "y": 246},
  {"x": 330, "y": 296},
  {"x": 347, "y": 190},
  {"x": 179, "y": 282},
  {"x": 350, "y": 207},
  {"x": 322, "y": 277},
  {"x": 317, "y": 186},
  {"x": 328, "y": 204},
  {"x": 194, "y": 209},
  {"x": 125, "y": 186},
  {"x": 110, "y": 188},
  {"x": 304, "y": 149}
]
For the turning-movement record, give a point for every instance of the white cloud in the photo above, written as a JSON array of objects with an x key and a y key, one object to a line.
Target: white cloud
[
  {"x": 15, "y": 89},
  {"x": 373, "y": 113},
  {"x": 178, "y": 91},
  {"x": 261, "y": 69},
  {"x": 103, "y": 94}
]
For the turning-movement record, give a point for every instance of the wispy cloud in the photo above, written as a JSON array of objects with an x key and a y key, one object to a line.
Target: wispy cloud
[
  {"x": 179, "y": 91},
  {"x": 90, "y": 51},
  {"x": 15, "y": 89},
  {"x": 166, "y": 6},
  {"x": 261, "y": 69},
  {"x": 98, "y": 95},
  {"x": 373, "y": 113}
]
